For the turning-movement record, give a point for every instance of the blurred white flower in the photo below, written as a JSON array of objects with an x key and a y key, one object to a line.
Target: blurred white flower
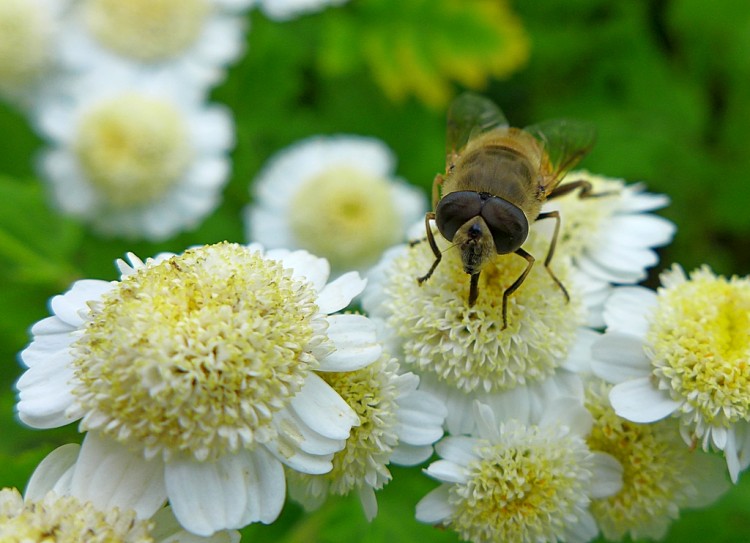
[
  {"x": 283, "y": 10},
  {"x": 398, "y": 424},
  {"x": 521, "y": 479},
  {"x": 76, "y": 502},
  {"x": 335, "y": 196},
  {"x": 28, "y": 46},
  {"x": 198, "y": 376},
  {"x": 190, "y": 40},
  {"x": 135, "y": 157},
  {"x": 683, "y": 351}
]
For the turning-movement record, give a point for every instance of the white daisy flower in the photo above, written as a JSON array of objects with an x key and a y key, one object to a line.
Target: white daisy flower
[
  {"x": 399, "y": 424},
  {"x": 335, "y": 196},
  {"x": 284, "y": 10},
  {"x": 660, "y": 475},
  {"x": 611, "y": 238},
  {"x": 462, "y": 352},
  {"x": 521, "y": 480},
  {"x": 190, "y": 40},
  {"x": 683, "y": 351},
  {"x": 135, "y": 157},
  {"x": 199, "y": 372},
  {"x": 78, "y": 502},
  {"x": 28, "y": 47}
]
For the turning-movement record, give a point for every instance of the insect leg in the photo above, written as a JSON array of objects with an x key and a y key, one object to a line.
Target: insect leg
[
  {"x": 474, "y": 290},
  {"x": 551, "y": 251},
  {"x": 586, "y": 190},
  {"x": 517, "y": 283},
  {"x": 431, "y": 239}
]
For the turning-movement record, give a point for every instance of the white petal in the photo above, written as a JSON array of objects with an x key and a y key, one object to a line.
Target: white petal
[
  {"x": 337, "y": 294},
  {"x": 298, "y": 460},
  {"x": 69, "y": 306},
  {"x": 293, "y": 429},
  {"x": 369, "y": 502},
  {"x": 266, "y": 489},
  {"x": 209, "y": 496},
  {"x": 607, "y": 479},
  {"x": 579, "y": 355},
  {"x": 50, "y": 471},
  {"x": 567, "y": 412},
  {"x": 410, "y": 455},
  {"x": 707, "y": 473},
  {"x": 110, "y": 475},
  {"x": 732, "y": 458},
  {"x": 45, "y": 395},
  {"x": 628, "y": 308},
  {"x": 582, "y": 531},
  {"x": 619, "y": 357},
  {"x": 304, "y": 266},
  {"x": 323, "y": 410},
  {"x": 486, "y": 423},
  {"x": 355, "y": 340},
  {"x": 447, "y": 472},
  {"x": 435, "y": 506},
  {"x": 638, "y": 400},
  {"x": 457, "y": 449},
  {"x": 46, "y": 347},
  {"x": 640, "y": 230}
]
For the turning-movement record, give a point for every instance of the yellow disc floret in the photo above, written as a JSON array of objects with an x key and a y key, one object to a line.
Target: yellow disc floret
[
  {"x": 66, "y": 520},
  {"x": 346, "y": 215},
  {"x": 526, "y": 489},
  {"x": 148, "y": 30},
  {"x": 132, "y": 148},
  {"x": 465, "y": 346},
  {"x": 195, "y": 353},
  {"x": 700, "y": 345}
]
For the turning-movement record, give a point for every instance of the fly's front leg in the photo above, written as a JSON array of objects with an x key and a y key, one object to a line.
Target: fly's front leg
[
  {"x": 429, "y": 216},
  {"x": 587, "y": 190},
  {"x": 551, "y": 251},
  {"x": 517, "y": 283}
]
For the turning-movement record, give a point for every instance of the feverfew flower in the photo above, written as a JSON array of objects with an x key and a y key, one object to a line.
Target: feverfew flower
[
  {"x": 284, "y": 10},
  {"x": 398, "y": 424},
  {"x": 29, "y": 30},
  {"x": 68, "y": 501},
  {"x": 191, "y": 40},
  {"x": 335, "y": 196},
  {"x": 611, "y": 238},
  {"x": 520, "y": 480},
  {"x": 683, "y": 351},
  {"x": 135, "y": 157},
  {"x": 199, "y": 374},
  {"x": 660, "y": 475},
  {"x": 462, "y": 352}
]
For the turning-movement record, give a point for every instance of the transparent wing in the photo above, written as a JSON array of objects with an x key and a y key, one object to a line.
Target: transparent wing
[
  {"x": 470, "y": 115},
  {"x": 566, "y": 142}
]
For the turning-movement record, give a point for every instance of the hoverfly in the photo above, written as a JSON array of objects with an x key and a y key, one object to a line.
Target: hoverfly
[{"x": 496, "y": 180}]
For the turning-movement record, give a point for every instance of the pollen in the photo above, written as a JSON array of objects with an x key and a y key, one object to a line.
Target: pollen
[
  {"x": 26, "y": 33},
  {"x": 466, "y": 346},
  {"x": 133, "y": 148},
  {"x": 372, "y": 393},
  {"x": 346, "y": 215},
  {"x": 656, "y": 470},
  {"x": 66, "y": 520},
  {"x": 525, "y": 489},
  {"x": 195, "y": 353},
  {"x": 147, "y": 30},
  {"x": 700, "y": 345}
]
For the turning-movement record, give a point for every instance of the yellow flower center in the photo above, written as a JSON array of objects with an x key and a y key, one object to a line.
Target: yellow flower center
[
  {"x": 655, "y": 461},
  {"x": 66, "y": 520},
  {"x": 527, "y": 488},
  {"x": 197, "y": 352},
  {"x": 24, "y": 27},
  {"x": 466, "y": 346},
  {"x": 133, "y": 148},
  {"x": 346, "y": 216},
  {"x": 700, "y": 345},
  {"x": 148, "y": 30}
]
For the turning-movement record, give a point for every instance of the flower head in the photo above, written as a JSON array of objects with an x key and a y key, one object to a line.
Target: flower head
[
  {"x": 202, "y": 370},
  {"x": 521, "y": 481},
  {"x": 135, "y": 157},
  {"x": 660, "y": 475},
  {"x": 462, "y": 352},
  {"x": 335, "y": 196},
  {"x": 683, "y": 351},
  {"x": 398, "y": 423},
  {"x": 60, "y": 501}
]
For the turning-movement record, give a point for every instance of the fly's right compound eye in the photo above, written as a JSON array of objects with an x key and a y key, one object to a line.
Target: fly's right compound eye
[
  {"x": 456, "y": 209},
  {"x": 508, "y": 224}
]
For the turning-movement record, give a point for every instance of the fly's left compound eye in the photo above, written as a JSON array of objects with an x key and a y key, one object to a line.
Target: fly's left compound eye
[
  {"x": 507, "y": 223},
  {"x": 456, "y": 209}
]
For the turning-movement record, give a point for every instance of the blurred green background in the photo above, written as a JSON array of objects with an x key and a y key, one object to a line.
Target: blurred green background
[{"x": 667, "y": 83}]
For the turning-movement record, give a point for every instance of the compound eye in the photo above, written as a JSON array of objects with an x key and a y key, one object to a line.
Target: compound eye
[
  {"x": 507, "y": 223},
  {"x": 455, "y": 209}
]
